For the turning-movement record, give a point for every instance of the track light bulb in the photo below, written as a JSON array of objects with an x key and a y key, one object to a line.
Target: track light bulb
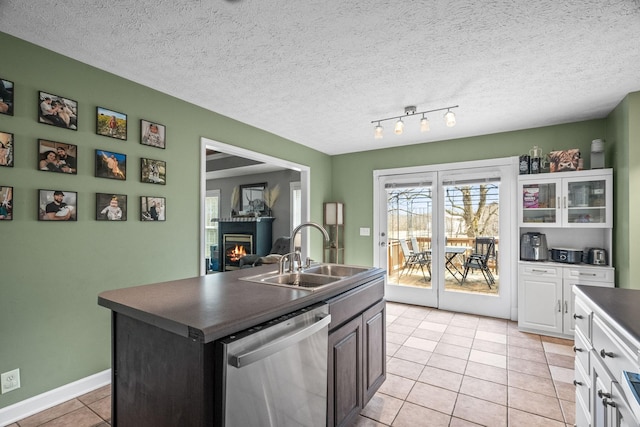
[
  {"x": 378, "y": 131},
  {"x": 424, "y": 124},
  {"x": 399, "y": 127},
  {"x": 450, "y": 119}
]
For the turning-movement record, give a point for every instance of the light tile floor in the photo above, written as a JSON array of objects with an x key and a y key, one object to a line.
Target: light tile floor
[
  {"x": 453, "y": 369},
  {"x": 443, "y": 369}
]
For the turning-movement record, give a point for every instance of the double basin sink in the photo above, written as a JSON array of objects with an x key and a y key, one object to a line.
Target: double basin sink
[{"x": 313, "y": 278}]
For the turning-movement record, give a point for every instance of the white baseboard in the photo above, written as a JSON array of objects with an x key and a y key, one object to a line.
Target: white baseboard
[{"x": 54, "y": 397}]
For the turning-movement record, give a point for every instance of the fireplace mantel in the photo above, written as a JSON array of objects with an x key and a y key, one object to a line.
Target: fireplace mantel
[{"x": 245, "y": 219}]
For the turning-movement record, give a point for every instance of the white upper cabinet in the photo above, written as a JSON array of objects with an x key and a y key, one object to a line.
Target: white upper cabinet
[{"x": 581, "y": 199}]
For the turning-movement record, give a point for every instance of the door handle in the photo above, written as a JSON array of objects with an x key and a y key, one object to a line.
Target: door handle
[
  {"x": 577, "y": 316},
  {"x": 559, "y": 306},
  {"x": 566, "y": 307},
  {"x": 251, "y": 356}
]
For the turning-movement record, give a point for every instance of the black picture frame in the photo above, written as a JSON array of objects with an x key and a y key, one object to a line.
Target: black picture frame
[
  {"x": 57, "y": 205},
  {"x": 153, "y": 208},
  {"x": 111, "y": 207},
  {"x": 7, "y": 149},
  {"x": 110, "y": 123},
  {"x": 111, "y": 165},
  {"x": 153, "y": 171},
  {"x": 58, "y": 157},
  {"x": 153, "y": 134},
  {"x": 57, "y": 111},
  {"x": 252, "y": 198},
  {"x": 6, "y": 97},
  {"x": 6, "y": 203}
]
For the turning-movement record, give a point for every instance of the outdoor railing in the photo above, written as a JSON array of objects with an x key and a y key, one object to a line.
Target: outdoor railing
[{"x": 395, "y": 259}]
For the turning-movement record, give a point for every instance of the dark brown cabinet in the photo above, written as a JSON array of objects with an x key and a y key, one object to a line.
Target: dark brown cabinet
[{"x": 357, "y": 352}]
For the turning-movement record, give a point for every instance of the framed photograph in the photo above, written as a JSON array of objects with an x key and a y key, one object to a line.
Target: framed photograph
[
  {"x": 57, "y": 157},
  {"x": 564, "y": 161},
  {"x": 57, "y": 111},
  {"x": 6, "y": 97},
  {"x": 252, "y": 196},
  {"x": 111, "y": 207},
  {"x": 111, "y": 123},
  {"x": 152, "y": 208},
  {"x": 57, "y": 205},
  {"x": 111, "y": 165},
  {"x": 6, "y": 149},
  {"x": 6, "y": 203},
  {"x": 152, "y": 134},
  {"x": 153, "y": 171}
]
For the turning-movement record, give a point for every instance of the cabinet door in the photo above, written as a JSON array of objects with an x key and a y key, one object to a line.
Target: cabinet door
[
  {"x": 344, "y": 382},
  {"x": 587, "y": 201},
  {"x": 540, "y": 203},
  {"x": 568, "y": 309},
  {"x": 374, "y": 339},
  {"x": 601, "y": 394},
  {"x": 540, "y": 302}
]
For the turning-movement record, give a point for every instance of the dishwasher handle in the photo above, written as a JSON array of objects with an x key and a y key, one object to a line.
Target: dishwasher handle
[{"x": 244, "y": 359}]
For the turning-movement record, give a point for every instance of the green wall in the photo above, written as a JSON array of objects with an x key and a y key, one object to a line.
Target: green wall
[
  {"x": 623, "y": 133},
  {"x": 52, "y": 272},
  {"x": 357, "y": 169}
]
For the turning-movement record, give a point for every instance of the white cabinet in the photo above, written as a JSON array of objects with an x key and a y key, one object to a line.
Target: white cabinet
[
  {"x": 545, "y": 297},
  {"x": 603, "y": 351},
  {"x": 581, "y": 199}
]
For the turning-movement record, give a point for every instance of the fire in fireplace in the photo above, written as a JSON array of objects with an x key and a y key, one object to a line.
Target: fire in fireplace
[{"x": 235, "y": 247}]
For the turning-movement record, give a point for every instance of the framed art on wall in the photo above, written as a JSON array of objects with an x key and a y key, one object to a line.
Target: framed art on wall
[
  {"x": 152, "y": 134},
  {"x": 153, "y": 171},
  {"x": 111, "y": 207},
  {"x": 6, "y": 203},
  {"x": 6, "y": 149},
  {"x": 57, "y": 111},
  {"x": 111, "y": 165},
  {"x": 111, "y": 123},
  {"x": 152, "y": 208},
  {"x": 57, "y": 205},
  {"x": 6, "y": 97},
  {"x": 57, "y": 157}
]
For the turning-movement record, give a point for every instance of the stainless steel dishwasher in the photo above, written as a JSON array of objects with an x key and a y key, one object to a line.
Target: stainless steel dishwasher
[{"x": 275, "y": 374}]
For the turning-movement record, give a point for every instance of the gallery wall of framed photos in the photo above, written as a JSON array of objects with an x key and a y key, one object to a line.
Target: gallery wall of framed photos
[{"x": 111, "y": 161}]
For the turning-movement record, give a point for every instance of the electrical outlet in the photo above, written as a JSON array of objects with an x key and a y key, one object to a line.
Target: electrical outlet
[{"x": 10, "y": 381}]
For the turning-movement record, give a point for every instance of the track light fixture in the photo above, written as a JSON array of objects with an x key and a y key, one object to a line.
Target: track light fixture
[{"x": 449, "y": 120}]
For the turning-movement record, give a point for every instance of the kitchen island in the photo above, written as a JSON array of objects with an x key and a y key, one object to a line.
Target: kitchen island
[{"x": 163, "y": 341}]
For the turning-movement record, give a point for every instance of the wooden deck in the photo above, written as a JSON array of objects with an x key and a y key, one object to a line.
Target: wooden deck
[{"x": 475, "y": 282}]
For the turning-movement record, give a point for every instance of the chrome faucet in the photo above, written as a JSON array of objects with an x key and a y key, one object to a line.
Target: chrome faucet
[
  {"x": 293, "y": 239},
  {"x": 292, "y": 257}
]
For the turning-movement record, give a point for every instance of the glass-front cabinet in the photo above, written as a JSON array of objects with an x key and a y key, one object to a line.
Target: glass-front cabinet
[{"x": 566, "y": 199}]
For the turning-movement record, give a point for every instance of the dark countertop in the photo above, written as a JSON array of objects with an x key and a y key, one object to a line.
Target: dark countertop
[
  {"x": 207, "y": 308},
  {"x": 622, "y": 306}
]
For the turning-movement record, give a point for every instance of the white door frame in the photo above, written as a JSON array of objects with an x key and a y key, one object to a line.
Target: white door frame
[
  {"x": 305, "y": 185},
  {"x": 508, "y": 233}
]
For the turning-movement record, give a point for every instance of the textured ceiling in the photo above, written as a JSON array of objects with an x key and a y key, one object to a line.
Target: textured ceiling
[{"x": 319, "y": 71}]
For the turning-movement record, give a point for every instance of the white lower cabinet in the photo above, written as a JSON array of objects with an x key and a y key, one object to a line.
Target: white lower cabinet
[
  {"x": 545, "y": 297},
  {"x": 603, "y": 351}
]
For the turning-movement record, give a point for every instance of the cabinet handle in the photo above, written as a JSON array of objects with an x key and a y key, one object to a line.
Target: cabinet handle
[
  {"x": 558, "y": 204},
  {"x": 602, "y": 394},
  {"x": 578, "y": 316},
  {"x": 587, "y": 274},
  {"x": 535, "y": 270},
  {"x": 566, "y": 307},
  {"x": 559, "y": 306},
  {"x": 604, "y": 354},
  {"x": 565, "y": 201},
  {"x": 606, "y": 402},
  {"x": 576, "y": 383},
  {"x": 577, "y": 349}
]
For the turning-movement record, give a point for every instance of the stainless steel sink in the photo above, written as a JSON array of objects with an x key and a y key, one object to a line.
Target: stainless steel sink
[
  {"x": 335, "y": 270},
  {"x": 295, "y": 279}
]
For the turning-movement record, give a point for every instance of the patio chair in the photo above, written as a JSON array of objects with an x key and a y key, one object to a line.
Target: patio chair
[
  {"x": 414, "y": 260},
  {"x": 485, "y": 249}
]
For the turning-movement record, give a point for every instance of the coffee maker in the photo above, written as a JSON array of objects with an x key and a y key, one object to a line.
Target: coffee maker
[{"x": 533, "y": 247}]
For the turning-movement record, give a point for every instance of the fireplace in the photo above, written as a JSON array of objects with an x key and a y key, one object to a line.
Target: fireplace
[
  {"x": 235, "y": 247},
  {"x": 254, "y": 235}
]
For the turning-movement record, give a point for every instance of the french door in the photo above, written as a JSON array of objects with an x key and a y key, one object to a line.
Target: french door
[{"x": 428, "y": 221}]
